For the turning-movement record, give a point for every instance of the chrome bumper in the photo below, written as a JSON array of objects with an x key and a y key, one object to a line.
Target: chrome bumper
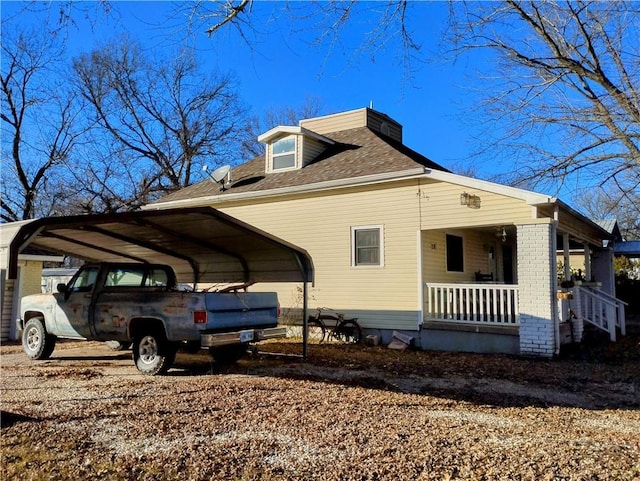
[{"x": 238, "y": 337}]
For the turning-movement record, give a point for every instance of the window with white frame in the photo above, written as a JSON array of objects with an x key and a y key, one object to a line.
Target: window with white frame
[
  {"x": 283, "y": 153},
  {"x": 367, "y": 246},
  {"x": 455, "y": 253}
]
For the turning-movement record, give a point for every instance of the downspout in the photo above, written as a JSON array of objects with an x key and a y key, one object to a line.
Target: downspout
[{"x": 554, "y": 276}]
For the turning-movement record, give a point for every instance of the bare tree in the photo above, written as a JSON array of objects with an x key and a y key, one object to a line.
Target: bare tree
[
  {"x": 161, "y": 119},
  {"x": 568, "y": 87},
  {"x": 38, "y": 125},
  {"x": 321, "y": 22},
  {"x": 606, "y": 203},
  {"x": 563, "y": 89}
]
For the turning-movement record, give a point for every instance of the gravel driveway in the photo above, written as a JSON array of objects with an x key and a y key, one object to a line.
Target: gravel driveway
[{"x": 347, "y": 413}]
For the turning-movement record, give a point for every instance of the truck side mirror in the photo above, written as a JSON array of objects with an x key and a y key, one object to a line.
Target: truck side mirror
[{"x": 62, "y": 288}]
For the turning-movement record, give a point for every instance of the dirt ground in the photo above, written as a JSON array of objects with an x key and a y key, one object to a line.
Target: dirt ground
[{"x": 345, "y": 413}]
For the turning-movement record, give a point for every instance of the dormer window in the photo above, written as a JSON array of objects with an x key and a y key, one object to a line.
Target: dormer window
[
  {"x": 284, "y": 153},
  {"x": 290, "y": 148}
]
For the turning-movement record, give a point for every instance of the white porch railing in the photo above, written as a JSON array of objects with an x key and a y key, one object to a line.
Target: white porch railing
[
  {"x": 600, "y": 309},
  {"x": 486, "y": 304}
]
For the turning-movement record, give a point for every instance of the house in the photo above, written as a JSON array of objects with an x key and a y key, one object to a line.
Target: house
[
  {"x": 405, "y": 245},
  {"x": 28, "y": 280}
]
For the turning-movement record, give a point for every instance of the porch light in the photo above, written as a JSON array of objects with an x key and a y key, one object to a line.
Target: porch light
[{"x": 470, "y": 200}]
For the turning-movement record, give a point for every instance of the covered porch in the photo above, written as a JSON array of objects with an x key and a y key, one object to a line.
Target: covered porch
[{"x": 518, "y": 289}]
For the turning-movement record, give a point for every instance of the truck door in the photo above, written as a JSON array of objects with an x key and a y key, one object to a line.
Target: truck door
[
  {"x": 120, "y": 299},
  {"x": 72, "y": 309}
]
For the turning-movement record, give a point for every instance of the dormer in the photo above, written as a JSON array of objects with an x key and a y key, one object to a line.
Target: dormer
[
  {"x": 364, "y": 117},
  {"x": 291, "y": 148}
]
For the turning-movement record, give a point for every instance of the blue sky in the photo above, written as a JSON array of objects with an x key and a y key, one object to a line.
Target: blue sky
[{"x": 282, "y": 69}]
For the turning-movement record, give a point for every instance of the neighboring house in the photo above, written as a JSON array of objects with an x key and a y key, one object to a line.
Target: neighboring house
[
  {"x": 403, "y": 244},
  {"x": 52, "y": 277},
  {"x": 28, "y": 281}
]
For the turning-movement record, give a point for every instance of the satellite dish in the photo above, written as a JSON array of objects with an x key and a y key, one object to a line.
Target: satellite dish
[{"x": 220, "y": 173}]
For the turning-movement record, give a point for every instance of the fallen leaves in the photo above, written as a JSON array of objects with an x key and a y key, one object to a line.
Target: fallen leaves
[{"x": 387, "y": 416}]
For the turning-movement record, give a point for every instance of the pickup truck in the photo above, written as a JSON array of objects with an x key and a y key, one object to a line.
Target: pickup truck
[{"x": 140, "y": 304}]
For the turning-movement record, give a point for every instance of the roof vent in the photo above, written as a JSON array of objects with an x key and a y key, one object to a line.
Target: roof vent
[{"x": 384, "y": 128}]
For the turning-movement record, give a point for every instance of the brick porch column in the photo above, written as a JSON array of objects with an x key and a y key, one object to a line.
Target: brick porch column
[{"x": 537, "y": 281}]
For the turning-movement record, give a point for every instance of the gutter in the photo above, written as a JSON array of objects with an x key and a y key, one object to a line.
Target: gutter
[
  {"x": 304, "y": 188},
  {"x": 531, "y": 198}
]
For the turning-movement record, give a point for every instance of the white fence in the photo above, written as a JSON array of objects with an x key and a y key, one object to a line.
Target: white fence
[{"x": 486, "y": 304}]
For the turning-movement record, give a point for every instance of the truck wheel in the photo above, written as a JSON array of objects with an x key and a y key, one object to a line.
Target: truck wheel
[
  {"x": 36, "y": 342},
  {"x": 153, "y": 354},
  {"x": 228, "y": 354}
]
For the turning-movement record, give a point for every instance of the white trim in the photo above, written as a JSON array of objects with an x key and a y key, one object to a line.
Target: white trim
[
  {"x": 532, "y": 198},
  {"x": 315, "y": 187},
  {"x": 529, "y": 197},
  {"x": 40, "y": 257},
  {"x": 283, "y": 130},
  {"x": 420, "y": 295},
  {"x": 380, "y": 229},
  {"x": 272, "y": 156}
]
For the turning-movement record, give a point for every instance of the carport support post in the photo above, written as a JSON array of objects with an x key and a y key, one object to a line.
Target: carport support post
[{"x": 304, "y": 321}]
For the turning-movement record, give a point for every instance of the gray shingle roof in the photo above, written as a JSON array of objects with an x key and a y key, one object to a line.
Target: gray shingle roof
[{"x": 358, "y": 152}]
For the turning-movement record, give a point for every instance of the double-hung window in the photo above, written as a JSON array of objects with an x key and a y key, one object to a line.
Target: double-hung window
[
  {"x": 284, "y": 153},
  {"x": 367, "y": 246}
]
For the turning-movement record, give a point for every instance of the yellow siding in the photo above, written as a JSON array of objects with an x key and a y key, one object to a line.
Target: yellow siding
[
  {"x": 476, "y": 245},
  {"x": 441, "y": 207},
  {"x": 321, "y": 223},
  {"x": 336, "y": 122}
]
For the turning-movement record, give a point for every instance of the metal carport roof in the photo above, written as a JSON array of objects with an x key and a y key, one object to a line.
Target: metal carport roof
[{"x": 202, "y": 244}]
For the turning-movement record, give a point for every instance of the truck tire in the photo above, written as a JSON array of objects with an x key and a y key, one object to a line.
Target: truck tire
[
  {"x": 37, "y": 343},
  {"x": 153, "y": 354},
  {"x": 230, "y": 354}
]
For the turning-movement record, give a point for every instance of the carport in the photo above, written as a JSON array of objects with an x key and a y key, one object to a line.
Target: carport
[{"x": 202, "y": 244}]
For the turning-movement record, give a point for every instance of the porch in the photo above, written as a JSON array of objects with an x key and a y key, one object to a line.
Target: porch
[
  {"x": 494, "y": 282},
  {"x": 497, "y": 305}
]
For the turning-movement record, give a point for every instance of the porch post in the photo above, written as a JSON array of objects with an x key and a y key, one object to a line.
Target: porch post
[
  {"x": 602, "y": 268},
  {"x": 566, "y": 255},
  {"x": 587, "y": 262},
  {"x": 537, "y": 279}
]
